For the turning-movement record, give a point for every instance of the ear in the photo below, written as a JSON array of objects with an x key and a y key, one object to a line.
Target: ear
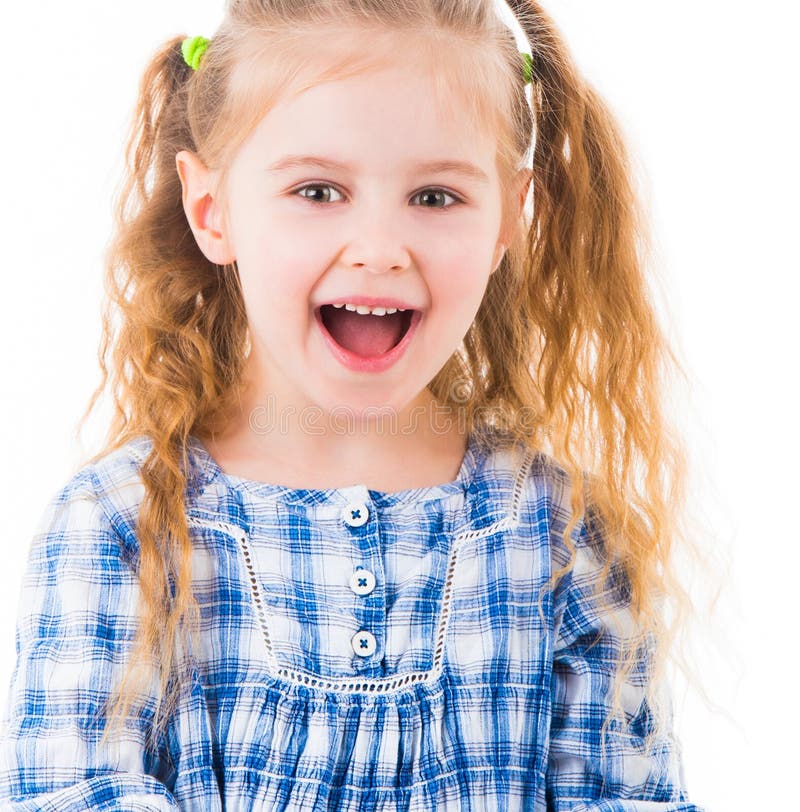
[
  {"x": 521, "y": 182},
  {"x": 202, "y": 209}
]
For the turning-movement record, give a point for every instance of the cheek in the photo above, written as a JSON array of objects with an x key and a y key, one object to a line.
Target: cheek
[
  {"x": 462, "y": 271},
  {"x": 277, "y": 270}
]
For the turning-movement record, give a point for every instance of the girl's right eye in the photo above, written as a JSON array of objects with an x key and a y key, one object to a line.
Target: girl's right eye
[{"x": 315, "y": 186}]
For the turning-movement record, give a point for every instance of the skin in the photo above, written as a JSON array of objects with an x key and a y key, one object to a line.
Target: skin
[{"x": 381, "y": 228}]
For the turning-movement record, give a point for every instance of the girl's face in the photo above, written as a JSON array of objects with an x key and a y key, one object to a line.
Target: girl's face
[{"x": 399, "y": 205}]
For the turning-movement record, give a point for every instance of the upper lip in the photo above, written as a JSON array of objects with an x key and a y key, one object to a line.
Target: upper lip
[{"x": 372, "y": 301}]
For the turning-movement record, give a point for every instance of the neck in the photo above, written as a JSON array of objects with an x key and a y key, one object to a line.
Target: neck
[{"x": 273, "y": 441}]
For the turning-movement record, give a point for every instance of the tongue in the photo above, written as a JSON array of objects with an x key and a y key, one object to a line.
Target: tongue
[{"x": 367, "y": 335}]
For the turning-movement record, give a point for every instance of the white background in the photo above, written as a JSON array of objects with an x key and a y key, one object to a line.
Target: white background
[{"x": 706, "y": 94}]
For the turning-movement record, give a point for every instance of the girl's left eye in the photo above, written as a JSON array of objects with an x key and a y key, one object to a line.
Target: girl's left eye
[{"x": 428, "y": 192}]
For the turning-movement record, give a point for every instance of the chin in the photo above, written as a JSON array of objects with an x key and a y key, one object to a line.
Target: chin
[{"x": 367, "y": 405}]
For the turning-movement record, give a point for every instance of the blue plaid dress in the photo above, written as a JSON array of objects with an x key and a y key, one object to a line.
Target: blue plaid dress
[{"x": 360, "y": 651}]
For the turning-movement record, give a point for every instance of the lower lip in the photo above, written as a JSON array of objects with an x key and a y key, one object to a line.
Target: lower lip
[{"x": 377, "y": 363}]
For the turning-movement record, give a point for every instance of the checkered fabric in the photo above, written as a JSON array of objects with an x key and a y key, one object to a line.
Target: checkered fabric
[{"x": 359, "y": 651}]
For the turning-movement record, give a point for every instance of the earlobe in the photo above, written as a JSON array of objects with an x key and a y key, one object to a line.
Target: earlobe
[
  {"x": 202, "y": 209},
  {"x": 499, "y": 253},
  {"x": 507, "y": 233}
]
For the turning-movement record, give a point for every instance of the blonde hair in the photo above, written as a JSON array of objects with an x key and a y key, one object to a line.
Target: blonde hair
[{"x": 583, "y": 351}]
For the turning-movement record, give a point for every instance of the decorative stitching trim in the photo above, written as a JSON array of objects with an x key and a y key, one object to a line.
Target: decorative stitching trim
[
  {"x": 240, "y": 535},
  {"x": 230, "y": 529},
  {"x": 359, "y": 684},
  {"x": 511, "y": 519}
]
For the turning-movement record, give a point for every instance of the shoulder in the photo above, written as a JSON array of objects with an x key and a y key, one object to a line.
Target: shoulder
[
  {"x": 504, "y": 461},
  {"x": 97, "y": 504},
  {"x": 113, "y": 479},
  {"x": 535, "y": 488},
  {"x": 107, "y": 492},
  {"x": 83, "y": 556}
]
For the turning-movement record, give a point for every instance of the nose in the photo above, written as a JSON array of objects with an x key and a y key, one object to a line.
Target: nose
[{"x": 378, "y": 242}]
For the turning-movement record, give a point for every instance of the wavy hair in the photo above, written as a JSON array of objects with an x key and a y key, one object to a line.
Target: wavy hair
[{"x": 565, "y": 333}]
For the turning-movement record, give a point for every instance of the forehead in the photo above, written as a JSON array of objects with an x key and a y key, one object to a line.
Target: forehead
[
  {"x": 386, "y": 89},
  {"x": 385, "y": 117}
]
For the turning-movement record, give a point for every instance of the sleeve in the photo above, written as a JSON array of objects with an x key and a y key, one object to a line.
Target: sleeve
[
  {"x": 76, "y": 620},
  {"x": 580, "y": 778}
]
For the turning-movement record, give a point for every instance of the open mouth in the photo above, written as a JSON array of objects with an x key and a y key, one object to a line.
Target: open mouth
[{"x": 365, "y": 335}]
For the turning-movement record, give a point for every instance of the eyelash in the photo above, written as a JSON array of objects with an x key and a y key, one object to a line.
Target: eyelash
[{"x": 455, "y": 197}]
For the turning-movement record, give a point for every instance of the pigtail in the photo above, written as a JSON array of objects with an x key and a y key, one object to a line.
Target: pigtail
[
  {"x": 602, "y": 356},
  {"x": 161, "y": 85},
  {"x": 173, "y": 326}
]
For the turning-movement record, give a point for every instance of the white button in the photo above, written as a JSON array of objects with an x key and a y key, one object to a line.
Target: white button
[
  {"x": 355, "y": 514},
  {"x": 364, "y": 643},
  {"x": 362, "y": 582}
]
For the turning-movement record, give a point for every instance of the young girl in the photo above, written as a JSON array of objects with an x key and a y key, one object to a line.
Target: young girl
[{"x": 385, "y": 518}]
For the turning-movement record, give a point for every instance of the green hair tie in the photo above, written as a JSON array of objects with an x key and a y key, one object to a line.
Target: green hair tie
[
  {"x": 193, "y": 49},
  {"x": 527, "y": 67}
]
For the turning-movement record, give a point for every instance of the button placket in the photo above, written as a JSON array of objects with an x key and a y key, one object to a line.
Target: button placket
[{"x": 356, "y": 514}]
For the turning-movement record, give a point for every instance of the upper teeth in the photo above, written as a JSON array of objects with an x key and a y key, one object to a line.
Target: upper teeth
[{"x": 375, "y": 311}]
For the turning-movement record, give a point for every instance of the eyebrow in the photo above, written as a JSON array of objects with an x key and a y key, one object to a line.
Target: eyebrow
[{"x": 463, "y": 168}]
